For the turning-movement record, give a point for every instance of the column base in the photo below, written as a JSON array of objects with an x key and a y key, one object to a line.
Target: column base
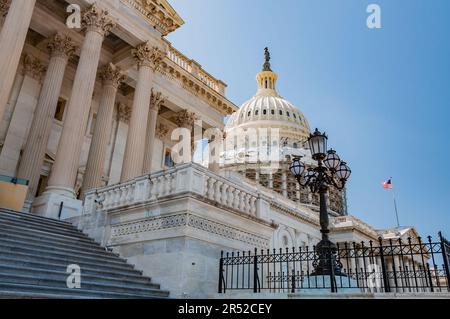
[
  {"x": 49, "y": 205},
  {"x": 27, "y": 206}
]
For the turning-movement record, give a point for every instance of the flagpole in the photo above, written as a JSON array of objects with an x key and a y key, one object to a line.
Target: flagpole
[{"x": 395, "y": 206}]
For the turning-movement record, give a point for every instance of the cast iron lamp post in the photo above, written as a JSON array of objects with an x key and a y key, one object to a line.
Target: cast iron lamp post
[{"x": 329, "y": 172}]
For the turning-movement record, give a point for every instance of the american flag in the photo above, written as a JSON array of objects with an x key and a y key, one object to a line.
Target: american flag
[{"x": 387, "y": 184}]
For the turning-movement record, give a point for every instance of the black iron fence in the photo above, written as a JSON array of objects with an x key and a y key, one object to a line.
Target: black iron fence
[{"x": 391, "y": 265}]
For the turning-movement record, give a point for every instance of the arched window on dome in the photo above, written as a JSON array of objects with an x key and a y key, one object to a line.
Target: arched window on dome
[
  {"x": 264, "y": 112},
  {"x": 288, "y": 115},
  {"x": 281, "y": 112},
  {"x": 295, "y": 116},
  {"x": 249, "y": 113},
  {"x": 265, "y": 85},
  {"x": 256, "y": 112},
  {"x": 273, "y": 112}
]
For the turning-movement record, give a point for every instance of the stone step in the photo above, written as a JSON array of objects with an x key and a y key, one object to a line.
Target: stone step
[
  {"x": 54, "y": 230},
  {"x": 35, "y": 252},
  {"x": 59, "y": 253},
  {"x": 16, "y": 263},
  {"x": 15, "y": 236},
  {"x": 33, "y": 217},
  {"x": 123, "y": 287},
  {"x": 61, "y": 276},
  {"x": 44, "y": 232},
  {"x": 24, "y": 290},
  {"x": 33, "y": 259}
]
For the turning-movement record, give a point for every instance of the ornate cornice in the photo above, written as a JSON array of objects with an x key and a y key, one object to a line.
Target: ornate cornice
[
  {"x": 97, "y": 20},
  {"x": 148, "y": 55},
  {"x": 185, "y": 119},
  {"x": 159, "y": 14},
  {"x": 33, "y": 67},
  {"x": 161, "y": 131},
  {"x": 123, "y": 112},
  {"x": 112, "y": 75},
  {"x": 61, "y": 45},
  {"x": 156, "y": 100}
]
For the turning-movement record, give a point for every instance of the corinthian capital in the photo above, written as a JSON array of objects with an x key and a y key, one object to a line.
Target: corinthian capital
[
  {"x": 4, "y": 7},
  {"x": 111, "y": 74},
  {"x": 97, "y": 20},
  {"x": 185, "y": 119},
  {"x": 124, "y": 112},
  {"x": 33, "y": 67},
  {"x": 161, "y": 131},
  {"x": 156, "y": 100},
  {"x": 61, "y": 45},
  {"x": 147, "y": 55}
]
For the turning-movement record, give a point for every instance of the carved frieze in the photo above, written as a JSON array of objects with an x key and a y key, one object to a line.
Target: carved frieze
[{"x": 191, "y": 221}]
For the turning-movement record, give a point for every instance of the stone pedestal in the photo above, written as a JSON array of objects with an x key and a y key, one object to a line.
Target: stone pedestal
[{"x": 49, "y": 205}]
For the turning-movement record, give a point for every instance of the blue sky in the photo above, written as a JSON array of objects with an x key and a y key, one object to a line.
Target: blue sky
[{"x": 381, "y": 95}]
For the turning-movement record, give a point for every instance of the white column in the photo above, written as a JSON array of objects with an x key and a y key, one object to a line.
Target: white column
[
  {"x": 155, "y": 104},
  {"x": 215, "y": 147},
  {"x": 148, "y": 58},
  {"x": 186, "y": 119},
  {"x": 270, "y": 180},
  {"x": 62, "y": 179},
  {"x": 123, "y": 120},
  {"x": 12, "y": 40},
  {"x": 22, "y": 117},
  {"x": 111, "y": 77},
  {"x": 61, "y": 48},
  {"x": 284, "y": 183}
]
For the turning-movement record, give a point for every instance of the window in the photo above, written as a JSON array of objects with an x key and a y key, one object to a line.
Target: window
[
  {"x": 264, "y": 112},
  {"x": 249, "y": 113},
  {"x": 60, "y": 108},
  {"x": 168, "y": 161},
  {"x": 273, "y": 112},
  {"x": 256, "y": 112},
  {"x": 295, "y": 145},
  {"x": 281, "y": 112},
  {"x": 295, "y": 116},
  {"x": 288, "y": 115}
]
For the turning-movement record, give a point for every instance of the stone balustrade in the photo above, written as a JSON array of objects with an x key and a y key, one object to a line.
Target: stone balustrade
[
  {"x": 192, "y": 67},
  {"x": 187, "y": 178}
]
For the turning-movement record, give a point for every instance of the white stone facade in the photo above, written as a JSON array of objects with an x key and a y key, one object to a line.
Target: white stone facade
[{"x": 172, "y": 222}]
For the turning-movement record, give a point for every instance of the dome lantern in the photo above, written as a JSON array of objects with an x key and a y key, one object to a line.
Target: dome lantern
[{"x": 267, "y": 79}]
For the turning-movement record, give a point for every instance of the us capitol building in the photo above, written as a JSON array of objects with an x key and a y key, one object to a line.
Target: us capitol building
[{"x": 87, "y": 117}]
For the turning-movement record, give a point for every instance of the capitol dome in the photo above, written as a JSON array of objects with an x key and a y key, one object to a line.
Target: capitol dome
[{"x": 267, "y": 109}]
